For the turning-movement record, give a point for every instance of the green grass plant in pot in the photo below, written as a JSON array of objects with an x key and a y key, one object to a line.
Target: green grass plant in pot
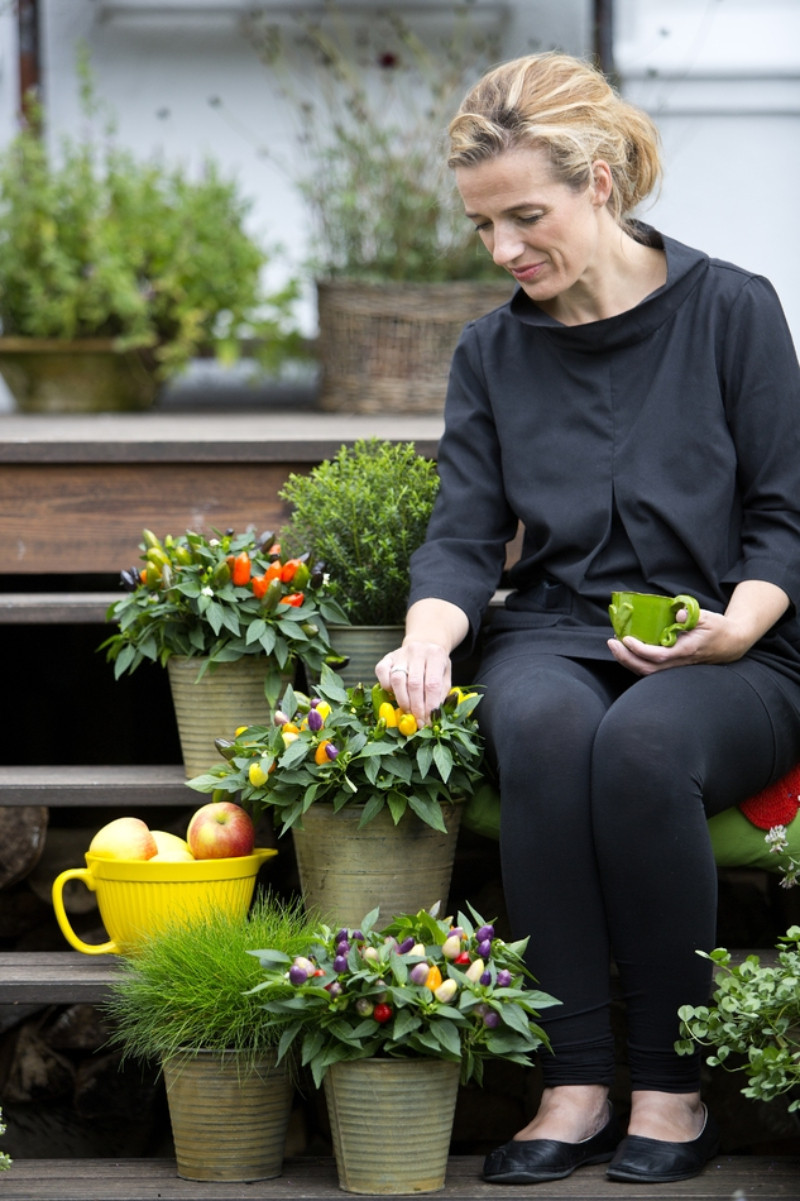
[
  {"x": 115, "y": 273},
  {"x": 363, "y": 513},
  {"x": 389, "y": 1021},
  {"x": 184, "y": 1001},
  {"x": 397, "y": 269},
  {"x": 231, "y": 618},
  {"x": 373, "y": 801}
]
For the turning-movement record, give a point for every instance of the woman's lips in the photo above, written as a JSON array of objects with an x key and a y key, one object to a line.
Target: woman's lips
[{"x": 527, "y": 273}]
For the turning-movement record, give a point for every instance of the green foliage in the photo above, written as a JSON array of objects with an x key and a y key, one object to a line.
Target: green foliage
[
  {"x": 94, "y": 243},
  {"x": 5, "y": 1161},
  {"x": 187, "y": 988},
  {"x": 369, "y": 762},
  {"x": 479, "y": 1009},
  {"x": 372, "y": 106},
  {"x": 188, "y": 603},
  {"x": 754, "y": 1022},
  {"x": 363, "y": 514}
]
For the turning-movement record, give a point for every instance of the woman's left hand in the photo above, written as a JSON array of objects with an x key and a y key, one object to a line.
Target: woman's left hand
[{"x": 754, "y": 607}]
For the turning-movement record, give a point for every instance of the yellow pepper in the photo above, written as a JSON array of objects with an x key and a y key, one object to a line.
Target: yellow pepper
[
  {"x": 407, "y": 724},
  {"x": 388, "y": 713},
  {"x": 434, "y": 978},
  {"x": 257, "y": 775}
]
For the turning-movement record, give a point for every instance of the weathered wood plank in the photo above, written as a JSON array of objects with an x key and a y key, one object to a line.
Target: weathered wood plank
[
  {"x": 133, "y": 786},
  {"x": 312, "y": 1179},
  {"x": 60, "y": 608},
  {"x": 54, "y": 977},
  {"x": 269, "y": 437}
]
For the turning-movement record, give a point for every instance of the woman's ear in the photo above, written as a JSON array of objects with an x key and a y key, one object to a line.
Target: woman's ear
[{"x": 602, "y": 182}]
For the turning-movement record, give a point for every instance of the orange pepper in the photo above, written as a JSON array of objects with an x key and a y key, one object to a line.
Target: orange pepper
[
  {"x": 289, "y": 570},
  {"x": 294, "y": 598},
  {"x": 434, "y": 978},
  {"x": 319, "y": 754},
  {"x": 240, "y": 571}
]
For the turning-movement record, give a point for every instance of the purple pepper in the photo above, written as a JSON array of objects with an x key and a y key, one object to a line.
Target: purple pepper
[
  {"x": 314, "y": 720},
  {"x": 503, "y": 978},
  {"x": 491, "y": 1019},
  {"x": 406, "y": 945},
  {"x": 486, "y": 978},
  {"x": 343, "y": 947},
  {"x": 297, "y": 975},
  {"x": 485, "y": 948},
  {"x": 357, "y": 936},
  {"x": 484, "y": 932},
  {"x": 419, "y": 973},
  {"x": 331, "y": 751},
  {"x": 340, "y": 964},
  {"x": 341, "y": 935}
]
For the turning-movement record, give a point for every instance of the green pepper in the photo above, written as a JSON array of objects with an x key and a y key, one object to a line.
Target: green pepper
[
  {"x": 272, "y": 595},
  {"x": 150, "y": 540},
  {"x": 183, "y": 555},
  {"x": 220, "y": 575},
  {"x": 380, "y": 697}
]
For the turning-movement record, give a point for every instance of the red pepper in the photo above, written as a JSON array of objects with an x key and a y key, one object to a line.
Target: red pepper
[
  {"x": 462, "y": 958},
  {"x": 294, "y": 598},
  {"x": 382, "y": 1012},
  {"x": 240, "y": 571},
  {"x": 259, "y": 584}
]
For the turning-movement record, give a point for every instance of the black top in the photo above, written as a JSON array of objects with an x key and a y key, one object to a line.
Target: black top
[{"x": 658, "y": 451}]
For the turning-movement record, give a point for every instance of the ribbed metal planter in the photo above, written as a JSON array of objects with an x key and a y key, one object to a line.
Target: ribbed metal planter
[
  {"x": 229, "y": 696},
  {"x": 364, "y": 646},
  {"x": 346, "y": 872},
  {"x": 227, "y": 1123},
  {"x": 391, "y": 1123}
]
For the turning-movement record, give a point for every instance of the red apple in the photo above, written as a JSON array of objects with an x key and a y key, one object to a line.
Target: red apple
[
  {"x": 220, "y": 830},
  {"x": 124, "y": 838}
]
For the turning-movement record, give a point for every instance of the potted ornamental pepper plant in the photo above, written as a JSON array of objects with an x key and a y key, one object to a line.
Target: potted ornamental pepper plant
[
  {"x": 230, "y": 617},
  {"x": 371, "y": 798},
  {"x": 184, "y": 1002},
  {"x": 389, "y": 1021}
]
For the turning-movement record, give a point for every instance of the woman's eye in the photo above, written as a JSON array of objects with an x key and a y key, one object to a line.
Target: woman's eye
[
  {"x": 532, "y": 219},
  {"x": 482, "y": 228}
]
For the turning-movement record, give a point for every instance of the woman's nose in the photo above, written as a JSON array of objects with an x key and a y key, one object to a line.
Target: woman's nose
[{"x": 506, "y": 246}]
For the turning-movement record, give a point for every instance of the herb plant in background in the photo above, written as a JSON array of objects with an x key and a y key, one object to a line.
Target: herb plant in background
[
  {"x": 349, "y": 746},
  {"x": 372, "y": 103},
  {"x": 95, "y": 243},
  {"x": 363, "y": 513},
  {"x": 421, "y": 987},
  {"x": 221, "y": 598},
  {"x": 753, "y": 1025}
]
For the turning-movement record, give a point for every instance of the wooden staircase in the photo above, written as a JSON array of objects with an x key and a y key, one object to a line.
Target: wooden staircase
[{"x": 75, "y": 494}]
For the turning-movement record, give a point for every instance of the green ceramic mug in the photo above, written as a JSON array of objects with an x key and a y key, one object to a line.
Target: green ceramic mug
[{"x": 651, "y": 618}]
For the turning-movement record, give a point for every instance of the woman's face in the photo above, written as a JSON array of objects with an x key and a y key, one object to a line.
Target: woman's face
[{"x": 548, "y": 235}]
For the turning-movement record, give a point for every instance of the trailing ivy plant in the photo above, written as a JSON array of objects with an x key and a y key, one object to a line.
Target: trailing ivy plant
[{"x": 753, "y": 1024}]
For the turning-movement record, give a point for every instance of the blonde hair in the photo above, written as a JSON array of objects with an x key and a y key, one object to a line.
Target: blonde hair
[{"x": 566, "y": 107}]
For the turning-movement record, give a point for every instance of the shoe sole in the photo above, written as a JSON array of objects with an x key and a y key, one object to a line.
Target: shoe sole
[
  {"x": 534, "y": 1178},
  {"x": 662, "y": 1178}
]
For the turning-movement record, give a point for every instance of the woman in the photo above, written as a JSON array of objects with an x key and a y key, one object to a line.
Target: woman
[{"x": 636, "y": 406}]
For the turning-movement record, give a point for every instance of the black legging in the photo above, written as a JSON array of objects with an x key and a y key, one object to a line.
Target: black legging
[{"x": 606, "y": 780}]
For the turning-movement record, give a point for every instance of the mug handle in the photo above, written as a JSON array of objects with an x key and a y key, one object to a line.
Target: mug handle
[
  {"x": 692, "y": 607},
  {"x": 620, "y": 617},
  {"x": 78, "y": 873}
]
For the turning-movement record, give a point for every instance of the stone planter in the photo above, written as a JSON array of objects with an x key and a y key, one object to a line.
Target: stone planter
[{"x": 53, "y": 375}]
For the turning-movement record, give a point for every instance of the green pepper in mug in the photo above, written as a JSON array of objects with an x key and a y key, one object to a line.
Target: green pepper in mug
[{"x": 652, "y": 618}]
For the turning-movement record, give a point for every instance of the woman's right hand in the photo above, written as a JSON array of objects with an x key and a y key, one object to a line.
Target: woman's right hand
[
  {"x": 418, "y": 672},
  {"x": 418, "y": 675}
]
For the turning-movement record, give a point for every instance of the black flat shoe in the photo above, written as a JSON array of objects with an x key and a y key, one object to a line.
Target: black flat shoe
[
  {"x": 655, "y": 1161},
  {"x": 535, "y": 1160}
]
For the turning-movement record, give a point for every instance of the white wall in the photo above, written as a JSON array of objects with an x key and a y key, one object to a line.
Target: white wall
[{"x": 722, "y": 80}]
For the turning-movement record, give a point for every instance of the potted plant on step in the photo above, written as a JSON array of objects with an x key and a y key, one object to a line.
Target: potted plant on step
[
  {"x": 373, "y": 801},
  {"x": 115, "y": 273},
  {"x": 185, "y": 1001},
  {"x": 753, "y": 1024},
  {"x": 230, "y": 617},
  {"x": 397, "y": 269},
  {"x": 389, "y": 1021},
  {"x": 363, "y": 513}
]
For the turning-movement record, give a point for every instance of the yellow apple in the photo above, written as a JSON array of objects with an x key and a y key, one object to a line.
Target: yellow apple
[
  {"x": 220, "y": 830},
  {"x": 171, "y": 848},
  {"x": 124, "y": 838}
]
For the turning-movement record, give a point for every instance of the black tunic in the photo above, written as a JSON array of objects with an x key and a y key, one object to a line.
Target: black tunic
[{"x": 658, "y": 450}]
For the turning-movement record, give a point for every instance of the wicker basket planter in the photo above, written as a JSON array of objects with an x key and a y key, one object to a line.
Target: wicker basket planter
[{"x": 387, "y": 347}]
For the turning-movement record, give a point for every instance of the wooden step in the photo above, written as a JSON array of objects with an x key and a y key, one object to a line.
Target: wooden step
[
  {"x": 99, "y": 786},
  {"x": 55, "y": 978},
  {"x": 61, "y": 608},
  {"x": 767, "y": 1178}
]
